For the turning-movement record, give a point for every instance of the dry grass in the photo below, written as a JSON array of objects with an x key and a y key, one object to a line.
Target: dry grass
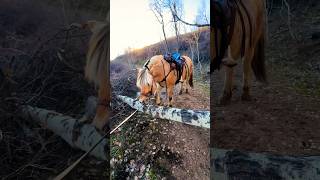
[{"x": 41, "y": 64}]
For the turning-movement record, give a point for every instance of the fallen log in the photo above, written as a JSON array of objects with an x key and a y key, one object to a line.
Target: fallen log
[
  {"x": 233, "y": 164},
  {"x": 191, "y": 117},
  {"x": 76, "y": 134}
]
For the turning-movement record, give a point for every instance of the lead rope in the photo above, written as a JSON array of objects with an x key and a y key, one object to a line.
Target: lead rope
[{"x": 67, "y": 171}]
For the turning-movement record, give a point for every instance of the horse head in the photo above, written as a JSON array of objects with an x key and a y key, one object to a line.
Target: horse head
[{"x": 145, "y": 83}]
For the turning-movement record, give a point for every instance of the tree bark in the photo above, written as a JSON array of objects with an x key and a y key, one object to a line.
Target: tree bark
[
  {"x": 76, "y": 134},
  {"x": 175, "y": 21},
  {"x": 191, "y": 117},
  {"x": 233, "y": 164},
  {"x": 165, "y": 36}
]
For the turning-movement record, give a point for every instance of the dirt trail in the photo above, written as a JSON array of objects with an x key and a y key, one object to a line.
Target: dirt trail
[
  {"x": 277, "y": 120},
  {"x": 170, "y": 149},
  {"x": 192, "y": 143}
]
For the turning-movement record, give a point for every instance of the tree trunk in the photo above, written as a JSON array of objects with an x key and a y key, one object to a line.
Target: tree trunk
[
  {"x": 75, "y": 133},
  {"x": 238, "y": 165},
  {"x": 176, "y": 27},
  {"x": 192, "y": 53},
  {"x": 192, "y": 117},
  {"x": 165, "y": 36},
  {"x": 197, "y": 37}
]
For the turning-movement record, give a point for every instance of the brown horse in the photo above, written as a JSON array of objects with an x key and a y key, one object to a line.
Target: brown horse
[
  {"x": 157, "y": 74},
  {"x": 247, "y": 42},
  {"x": 97, "y": 68}
]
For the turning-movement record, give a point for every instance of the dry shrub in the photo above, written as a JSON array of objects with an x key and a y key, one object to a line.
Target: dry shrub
[
  {"x": 123, "y": 80},
  {"x": 41, "y": 64}
]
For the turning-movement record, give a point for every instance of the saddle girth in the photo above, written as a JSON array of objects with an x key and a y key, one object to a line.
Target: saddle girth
[{"x": 174, "y": 65}]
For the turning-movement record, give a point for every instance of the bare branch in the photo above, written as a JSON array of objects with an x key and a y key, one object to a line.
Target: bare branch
[{"x": 187, "y": 23}]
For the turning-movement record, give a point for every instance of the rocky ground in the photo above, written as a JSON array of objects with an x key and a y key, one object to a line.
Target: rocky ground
[{"x": 155, "y": 148}]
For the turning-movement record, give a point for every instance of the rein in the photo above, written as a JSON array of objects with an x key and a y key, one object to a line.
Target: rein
[{"x": 164, "y": 72}]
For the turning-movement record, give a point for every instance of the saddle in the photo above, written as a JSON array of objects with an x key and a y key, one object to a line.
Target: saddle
[{"x": 176, "y": 62}]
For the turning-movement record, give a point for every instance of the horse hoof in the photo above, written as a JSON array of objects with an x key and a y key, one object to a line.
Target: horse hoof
[
  {"x": 246, "y": 97},
  {"x": 224, "y": 100}
]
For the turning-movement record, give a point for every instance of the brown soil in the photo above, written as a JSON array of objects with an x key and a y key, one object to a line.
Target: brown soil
[
  {"x": 284, "y": 116},
  {"x": 192, "y": 143},
  {"x": 277, "y": 120},
  {"x": 174, "y": 150}
]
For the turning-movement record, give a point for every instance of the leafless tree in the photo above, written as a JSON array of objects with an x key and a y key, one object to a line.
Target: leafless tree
[
  {"x": 196, "y": 37},
  {"x": 157, "y": 7},
  {"x": 130, "y": 60},
  {"x": 175, "y": 7},
  {"x": 177, "y": 16},
  {"x": 202, "y": 17}
]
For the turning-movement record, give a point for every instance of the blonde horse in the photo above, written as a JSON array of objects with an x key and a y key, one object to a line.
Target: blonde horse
[
  {"x": 157, "y": 74},
  {"x": 97, "y": 68},
  {"x": 247, "y": 43}
]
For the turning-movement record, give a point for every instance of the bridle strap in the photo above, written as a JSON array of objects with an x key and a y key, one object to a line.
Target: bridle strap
[
  {"x": 146, "y": 65},
  {"x": 164, "y": 72}
]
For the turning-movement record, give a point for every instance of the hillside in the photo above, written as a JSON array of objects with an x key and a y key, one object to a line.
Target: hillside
[
  {"x": 187, "y": 46},
  {"x": 153, "y": 148}
]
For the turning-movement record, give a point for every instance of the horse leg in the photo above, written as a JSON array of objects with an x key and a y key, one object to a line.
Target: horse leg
[
  {"x": 181, "y": 87},
  {"x": 158, "y": 94},
  {"x": 170, "y": 94},
  {"x": 247, "y": 75},
  {"x": 102, "y": 111},
  {"x": 227, "y": 91},
  {"x": 229, "y": 61},
  {"x": 186, "y": 85}
]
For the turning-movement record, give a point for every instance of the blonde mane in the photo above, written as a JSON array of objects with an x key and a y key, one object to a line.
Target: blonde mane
[
  {"x": 98, "y": 54},
  {"x": 144, "y": 78}
]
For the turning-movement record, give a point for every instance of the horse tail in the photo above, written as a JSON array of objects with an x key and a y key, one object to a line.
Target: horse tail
[
  {"x": 191, "y": 74},
  {"x": 191, "y": 79},
  {"x": 258, "y": 61},
  {"x": 98, "y": 63}
]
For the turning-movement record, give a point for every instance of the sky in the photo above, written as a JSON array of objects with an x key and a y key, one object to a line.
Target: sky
[{"x": 133, "y": 25}]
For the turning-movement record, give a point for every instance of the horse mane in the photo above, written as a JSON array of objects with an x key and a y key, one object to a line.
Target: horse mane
[
  {"x": 144, "y": 77},
  {"x": 98, "y": 62}
]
